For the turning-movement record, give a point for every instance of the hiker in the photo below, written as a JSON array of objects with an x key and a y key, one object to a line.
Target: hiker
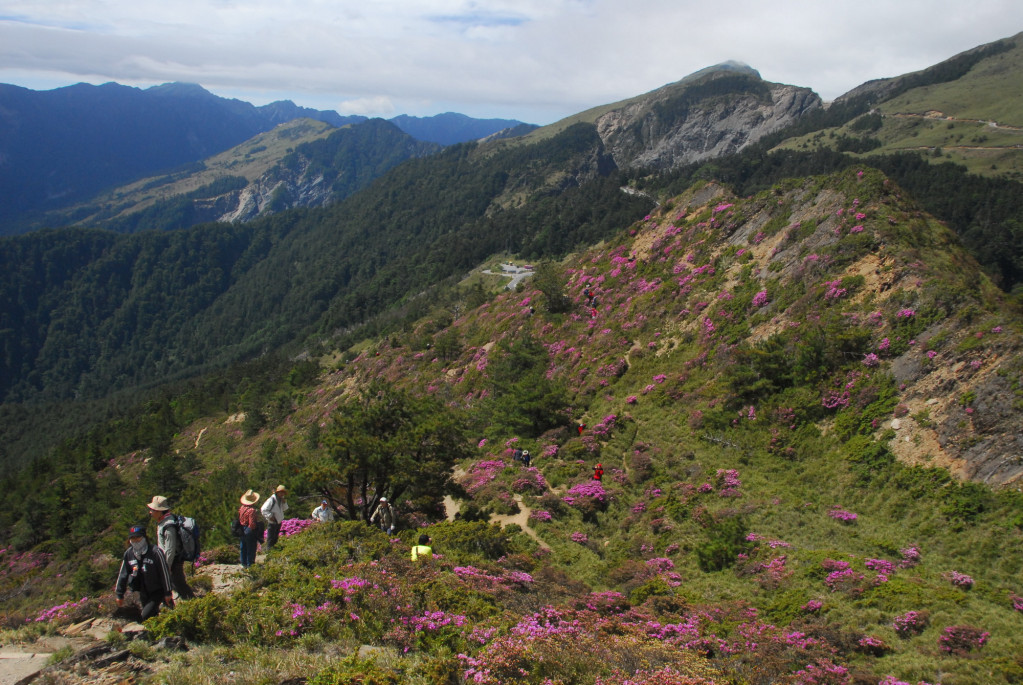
[
  {"x": 144, "y": 570},
  {"x": 598, "y": 472},
  {"x": 168, "y": 539},
  {"x": 423, "y": 549},
  {"x": 273, "y": 511},
  {"x": 581, "y": 427},
  {"x": 526, "y": 458},
  {"x": 248, "y": 517},
  {"x": 384, "y": 516},
  {"x": 517, "y": 454},
  {"x": 323, "y": 513}
]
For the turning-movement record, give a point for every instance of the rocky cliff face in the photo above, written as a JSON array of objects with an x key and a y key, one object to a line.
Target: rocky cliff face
[
  {"x": 275, "y": 191},
  {"x": 689, "y": 122}
]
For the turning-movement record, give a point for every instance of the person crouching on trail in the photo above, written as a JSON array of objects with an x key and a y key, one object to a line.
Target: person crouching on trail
[
  {"x": 273, "y": 511},
  {"x": 144, "y": 570},
  {"x": 168, "y": 539},
  {"x": 423, "y": 549}
]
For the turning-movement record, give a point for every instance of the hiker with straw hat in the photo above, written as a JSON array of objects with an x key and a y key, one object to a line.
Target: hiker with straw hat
[
  {"x": 168, "y": 539},
  {"x": 273, "y": 511},
  {"x": 248, "y": 517}
]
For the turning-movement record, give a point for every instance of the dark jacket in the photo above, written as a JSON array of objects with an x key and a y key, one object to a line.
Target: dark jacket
[{"x": 148, "y": 574}]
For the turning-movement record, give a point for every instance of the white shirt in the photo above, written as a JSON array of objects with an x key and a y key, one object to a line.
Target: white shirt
[
  {"x": 273, "y": 510},
  {"x": 323, "y": 513}
]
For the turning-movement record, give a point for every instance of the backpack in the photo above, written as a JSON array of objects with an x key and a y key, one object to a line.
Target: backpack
[
  {"x": 188, "y": 534},
  {"x": 237, "y": 529}
]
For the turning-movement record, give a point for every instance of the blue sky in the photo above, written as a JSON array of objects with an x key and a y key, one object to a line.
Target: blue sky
[{"x": 533, "y": 60}]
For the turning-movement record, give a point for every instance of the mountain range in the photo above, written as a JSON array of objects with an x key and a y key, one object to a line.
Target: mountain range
[{"x": 64, "y": 145}]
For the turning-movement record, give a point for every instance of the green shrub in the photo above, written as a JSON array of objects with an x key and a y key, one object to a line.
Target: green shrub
[
  {"x": 198, "y": 620},
  {"x": 965, "y": 501},
  {"x": 785, "y": 607},
  {"x": 655, "y": 587},
  {"x": 871, "y": 459},
  {"x": 725, "y": 541},
  {"x": 355, "y": 671}
]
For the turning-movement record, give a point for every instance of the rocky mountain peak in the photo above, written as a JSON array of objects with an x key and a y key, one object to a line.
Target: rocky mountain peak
[{"x": 712, "y": 112}]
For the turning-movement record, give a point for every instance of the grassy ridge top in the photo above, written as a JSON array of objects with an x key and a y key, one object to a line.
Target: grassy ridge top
[{"x": 975, "y": 119}]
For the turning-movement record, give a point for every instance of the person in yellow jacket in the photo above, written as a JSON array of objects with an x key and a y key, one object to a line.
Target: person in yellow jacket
[{"x": 423, "y": 549}]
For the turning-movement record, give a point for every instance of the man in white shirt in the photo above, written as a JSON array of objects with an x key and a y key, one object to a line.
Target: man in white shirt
[
  {"x": 323, "y": 513},
  {"x": 273, "y": 511},
  {"x": 169, "y": 541}
]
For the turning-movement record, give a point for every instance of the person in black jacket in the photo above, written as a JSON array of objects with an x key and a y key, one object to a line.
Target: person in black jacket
[{"x": 144, "y": 570}]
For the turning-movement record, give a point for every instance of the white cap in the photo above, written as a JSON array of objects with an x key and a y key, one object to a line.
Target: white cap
[{"x": 383, "y": 499}]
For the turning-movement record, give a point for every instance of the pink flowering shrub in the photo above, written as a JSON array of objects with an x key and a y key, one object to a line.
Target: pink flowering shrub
[
  {"x": 294, "y": 526},
  {"x": 822, "y": 672},
  {"x": 59, "y": 612},
  {"x": 872, "y": 645},
  {"x": 959, "y": 579},
  {"x": 910, "y": 557},
  {"x": 884, "y": 569},
  {"x": 812, "y": 606},
  {"x": 590, "y": 491},
  {"x": 842, "y": 515},
  {"x": 910, "y": 623},
  {"x": 606, "y": 425},
  {"x": 960, "y": 640},
  {"x": 531, "y": 480},
  {"x": 847, "y": 580}
]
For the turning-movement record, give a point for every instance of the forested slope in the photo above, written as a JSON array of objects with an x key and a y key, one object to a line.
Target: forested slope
[{"x": 783, "y": 390}]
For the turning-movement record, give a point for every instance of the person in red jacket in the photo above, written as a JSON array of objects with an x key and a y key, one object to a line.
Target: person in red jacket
[
  {"x": 248, "y": 517},
  {"x": 598, "y": 472}
]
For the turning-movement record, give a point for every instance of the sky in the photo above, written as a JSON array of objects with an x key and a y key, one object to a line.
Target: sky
[{"x": 536, "y": 61}]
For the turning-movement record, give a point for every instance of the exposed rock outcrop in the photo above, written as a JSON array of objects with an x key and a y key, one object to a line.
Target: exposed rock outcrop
[{"x": 719, "y": 113}]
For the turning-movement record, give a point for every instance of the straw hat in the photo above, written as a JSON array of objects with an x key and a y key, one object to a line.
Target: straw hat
[
  {"x": 250, "y": 497},
  {"x": 159, "y": 503},
  {"x": 280, "y": 488}
]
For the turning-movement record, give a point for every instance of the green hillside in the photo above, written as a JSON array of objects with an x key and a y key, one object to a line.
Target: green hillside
[
  {"x": 974, "y": 119},
  {"x": 250, "y": 160},
  {"x": 88, "y": 311},
  {"x": 781, "y": 389}
]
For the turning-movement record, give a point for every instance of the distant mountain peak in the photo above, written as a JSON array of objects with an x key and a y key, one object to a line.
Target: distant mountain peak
[
  {"x": 730, "y": 67},
  {"x": 180, "y": 89}
]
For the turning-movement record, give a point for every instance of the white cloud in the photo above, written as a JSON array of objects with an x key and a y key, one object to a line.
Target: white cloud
[
  {"x": 535, "y": 60},
  {"x": 371, "y": 107}
]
